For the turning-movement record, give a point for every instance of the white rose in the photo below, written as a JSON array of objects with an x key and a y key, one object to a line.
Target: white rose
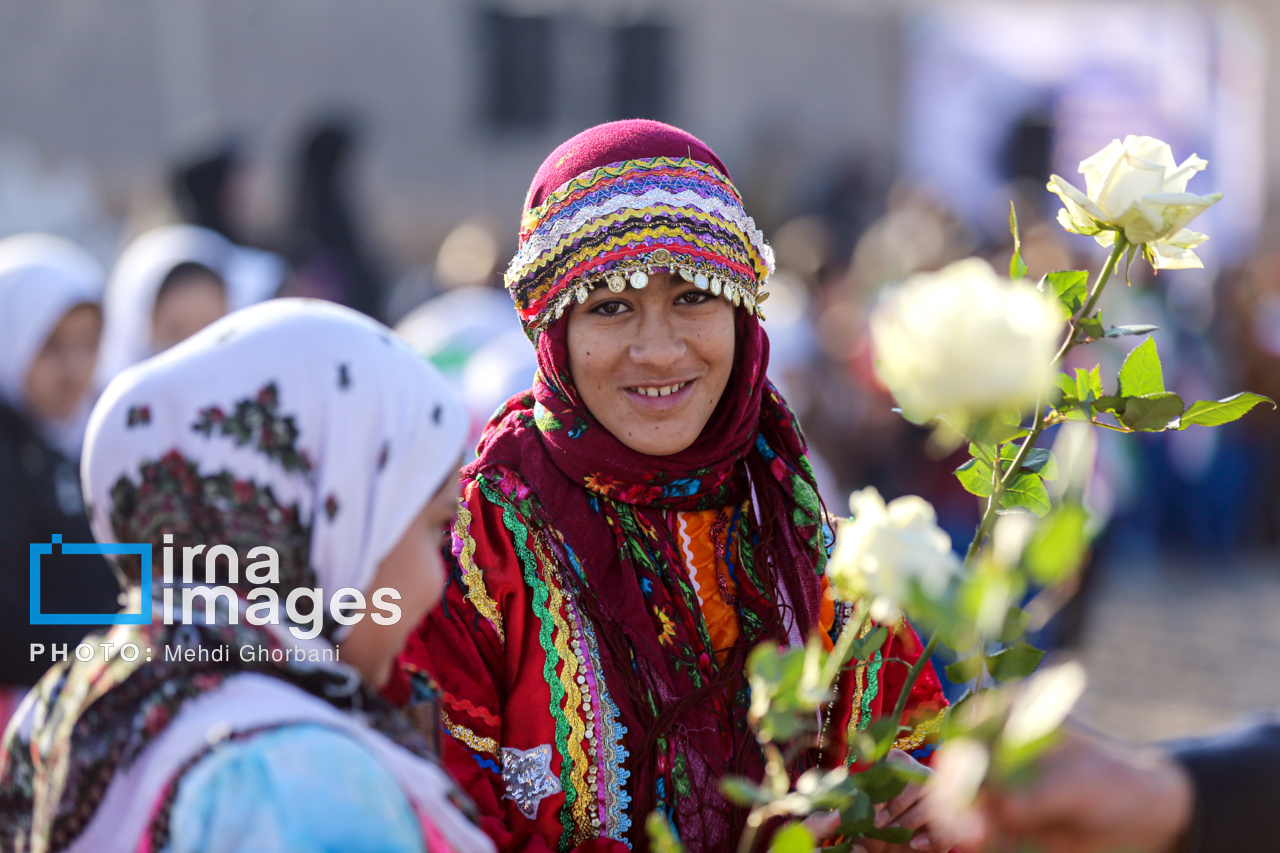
[
  {"x": 1135, "y": 187},
  {"x": 1042, "y": 703},
  {"x": 883, "y": 548},
  {"x": 964, "y": 342}
]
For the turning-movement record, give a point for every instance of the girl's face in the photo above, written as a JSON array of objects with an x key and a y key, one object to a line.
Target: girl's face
[
  {"x": 651, "y": 365},
  {"x": 415, "y": 569},
  {"x": 62, "y": 372},
  {"x": 186, "y": 306}
]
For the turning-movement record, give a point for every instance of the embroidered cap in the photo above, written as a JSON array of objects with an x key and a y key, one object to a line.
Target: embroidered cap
[{"x": 618, "y": 203}]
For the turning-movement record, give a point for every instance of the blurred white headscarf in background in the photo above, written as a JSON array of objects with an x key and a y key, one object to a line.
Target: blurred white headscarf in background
[
  {"x": 249, "y": 276},
  {"x": 42, "y": 277}
]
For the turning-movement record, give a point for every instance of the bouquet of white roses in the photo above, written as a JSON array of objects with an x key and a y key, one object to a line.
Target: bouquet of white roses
[{"x": 981, "y": 357}]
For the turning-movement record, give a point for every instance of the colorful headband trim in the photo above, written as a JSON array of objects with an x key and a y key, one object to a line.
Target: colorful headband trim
[{"x": 620, "y": 224}]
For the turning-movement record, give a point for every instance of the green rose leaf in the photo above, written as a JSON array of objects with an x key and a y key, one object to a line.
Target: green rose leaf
[
  {"x": 891, "y": 834},
  {"x": 1057, "y": 546},
  {"x": 1218, "y": 412},
  {"x": 782, "y": 699},
  {"x": 1088, "y": 384},
  {"x": 857, "y": 817},
  {"x": 865, "y": 647},
  {"x": 1015, "y": 662},
  {"x": 793, "y": 838},
  {"x": 743, "y": 792},
  {"x": 975, "y": 476},
  {"x": 1152, "y": 413},
  {"x": 881, "y": 781},
  {"x": 982, "y": 450},
  {"x": 1027, "y": 490},
  {"x": 1015, "y": 625},
  {"x": 965, "y": 669},
  {"x": 1091, "y": 327},
  {"x": 661, "y": 837},
  {"x": 1121, "y": 331},
  {"x": 1067, "y": 385},
  {"x": 1070, "y": 286},
  {"x": 979, "y": 715},
  {"x": 1042, "y": 462},
  {"x": 1141, "y": 374},
  {"x": 1017, "y": 269},
  {"x": 1110, "y": 404}
]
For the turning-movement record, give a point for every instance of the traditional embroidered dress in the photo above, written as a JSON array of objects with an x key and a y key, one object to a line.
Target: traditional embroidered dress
[
  {"x": 590, "y": 651},
  {"x": 296, "y": 425}
]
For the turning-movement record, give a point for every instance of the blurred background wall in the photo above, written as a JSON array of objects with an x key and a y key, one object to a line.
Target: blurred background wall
[{"x": 458, "y": 101}]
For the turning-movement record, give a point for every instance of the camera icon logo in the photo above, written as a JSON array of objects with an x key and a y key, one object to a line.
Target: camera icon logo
[{"x": 39, "y": 549}]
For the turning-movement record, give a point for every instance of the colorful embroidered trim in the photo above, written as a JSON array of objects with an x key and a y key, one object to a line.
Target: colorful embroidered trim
[
  {"x": 619, "y": 224},
  {"x": 611, "y": 793},
  {"x": 486, "y": 745},
  {"x": 608, "y": 775},
  {"x": 539, "y": 595},
  {"x": 873, "y": 688},
  {"x": 578, "y": 801},
  {"x": 866, "y": 687},
  {"x": 922, "y": 732},
  {"x": 464, "y": 548}
]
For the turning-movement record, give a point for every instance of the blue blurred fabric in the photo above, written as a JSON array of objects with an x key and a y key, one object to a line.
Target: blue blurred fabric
[{"x": 296, "y": 789}]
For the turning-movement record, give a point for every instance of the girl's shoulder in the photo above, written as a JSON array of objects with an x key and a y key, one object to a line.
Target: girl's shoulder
[{"x": 294, "y": 787}]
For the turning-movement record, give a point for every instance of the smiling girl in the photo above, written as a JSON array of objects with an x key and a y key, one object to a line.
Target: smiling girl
[{"x": 637, "y": 522}]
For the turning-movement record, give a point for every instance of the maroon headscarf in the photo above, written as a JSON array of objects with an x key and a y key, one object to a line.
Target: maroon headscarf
[{"x": 612, "y": 506}]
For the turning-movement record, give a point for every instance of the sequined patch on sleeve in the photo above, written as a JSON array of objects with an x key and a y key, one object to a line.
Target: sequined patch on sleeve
[{"x": 528, "y": 777}]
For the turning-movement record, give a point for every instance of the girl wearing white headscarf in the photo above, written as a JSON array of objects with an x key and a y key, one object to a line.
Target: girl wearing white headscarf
[
  {"x": 312, "y": 430},
  {"x": 160, "y": 261},
  {"x": 50, "y": 321}
]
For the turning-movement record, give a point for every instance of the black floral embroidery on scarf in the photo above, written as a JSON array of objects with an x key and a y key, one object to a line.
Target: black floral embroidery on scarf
[
  {"x": 331, "y": 506},
  {"x": 383, "y": 454},
  {"x": 436, "y": 413},
  {"x": 344, "y": 377},
  {"x": 256, "y": 421},
  {"x": 138, "y": 415},
  {"x": 171, "y": 496}
]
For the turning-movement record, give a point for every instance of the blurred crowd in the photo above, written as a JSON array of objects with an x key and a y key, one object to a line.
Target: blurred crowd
[{"x": 74, "y": 316}]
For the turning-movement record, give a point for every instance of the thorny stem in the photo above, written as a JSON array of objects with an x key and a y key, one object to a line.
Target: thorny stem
[
  {"x": 774, "y": 765},
  {"x": 1000, "y": 481},
  {"x": 930, "y": 647},
  {"x": 1038, "y": 424}
]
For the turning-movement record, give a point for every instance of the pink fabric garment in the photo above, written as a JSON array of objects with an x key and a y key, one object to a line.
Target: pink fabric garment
[{"x": 615, "y": 142}]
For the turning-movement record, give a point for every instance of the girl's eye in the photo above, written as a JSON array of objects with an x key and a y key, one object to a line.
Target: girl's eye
[
  {"x": 608, "y": 309},
  {"x": 693, "y": 297}
]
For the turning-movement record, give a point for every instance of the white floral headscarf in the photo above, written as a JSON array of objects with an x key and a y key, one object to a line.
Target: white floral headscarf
[{"x": 294, "y": 407}]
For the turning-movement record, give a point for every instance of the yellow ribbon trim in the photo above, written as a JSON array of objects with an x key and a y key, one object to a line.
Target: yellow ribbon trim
[
  {"x": 487, "y": 745},
  {"x": 921, "y": 733},
  {"x": 477, "y": 594}
]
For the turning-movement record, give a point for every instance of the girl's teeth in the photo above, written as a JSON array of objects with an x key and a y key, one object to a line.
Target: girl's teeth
[{"x": 664, "y": 391}]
